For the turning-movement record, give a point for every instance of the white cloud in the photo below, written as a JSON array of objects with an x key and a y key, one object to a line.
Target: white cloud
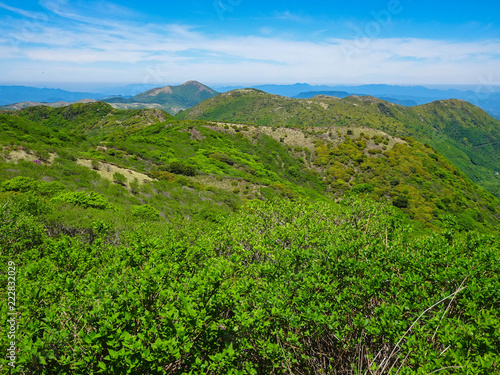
[{"x": 88, "y": 44}]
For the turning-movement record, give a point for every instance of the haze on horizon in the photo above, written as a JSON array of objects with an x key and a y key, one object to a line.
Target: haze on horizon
[{"x": 83, "y": 44}]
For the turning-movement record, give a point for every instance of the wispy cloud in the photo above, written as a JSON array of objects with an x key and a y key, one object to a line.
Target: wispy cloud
[
  {"x": 93, "y": 42},
  {"x": 97, "y": 12},
  {"x": 22, "y": 12},
  {"x": 289, "y": 16}
]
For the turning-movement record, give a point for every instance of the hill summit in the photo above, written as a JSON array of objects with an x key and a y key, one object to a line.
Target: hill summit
[
  {"x": 172, "y": 99},
  {"x": 191, "y": 87}
]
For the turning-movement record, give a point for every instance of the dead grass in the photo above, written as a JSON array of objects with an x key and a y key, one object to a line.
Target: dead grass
[
  {"x": 290, "y": 137},
  {"x": 16, "y": 155},
  {"x": 107, "y": 170},
  {"x": 306, "y": 138}
]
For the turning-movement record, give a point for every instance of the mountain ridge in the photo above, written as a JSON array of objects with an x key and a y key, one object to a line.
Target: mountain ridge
[
  {"x": 411, "y": 94},
  {"x": 454, "y": 127},
  {"x": 343, "y": 94},
  {"x": 169, "y": 98},
  {"x": 405, "y": 95},
  {"x": 18, "y": 94}
]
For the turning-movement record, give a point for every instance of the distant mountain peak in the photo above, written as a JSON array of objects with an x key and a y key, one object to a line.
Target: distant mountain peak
[
  {"x": 171, "y": 89},
  {"x": 169, "y": 98},
  {"x": 193, "y": 83},
  {"x": 200, "y": 86}
]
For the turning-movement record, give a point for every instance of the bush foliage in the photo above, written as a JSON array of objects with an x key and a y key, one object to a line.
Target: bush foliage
[{"x": 281, "y": 287}]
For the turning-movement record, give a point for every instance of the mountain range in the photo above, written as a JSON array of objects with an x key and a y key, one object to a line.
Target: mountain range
[
  {"x": 484, "y": 97},
  {"x": 172, "y": 99},
  {"x": 15, "y": 94},
  {"x": 253, "y": 160},
  {"x": 462, "y": 132},
  {"x": 183, "y": 96}
]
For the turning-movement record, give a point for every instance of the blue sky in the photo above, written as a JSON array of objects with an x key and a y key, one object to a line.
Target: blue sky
[{"x": 82, "y": 44}]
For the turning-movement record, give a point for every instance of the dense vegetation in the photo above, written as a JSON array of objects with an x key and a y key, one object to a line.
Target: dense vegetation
[
  {"x": 463, "y": 133},
  {"x": 281, "y": 287},
  {"x": 148, "y": 245}
]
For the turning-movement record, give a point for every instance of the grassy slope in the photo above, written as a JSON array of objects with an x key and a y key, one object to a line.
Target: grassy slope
[
  {"x": 91, "y": 119},
  {"x": 465, "y": 134},
  {"x": 235, "y": 163}
]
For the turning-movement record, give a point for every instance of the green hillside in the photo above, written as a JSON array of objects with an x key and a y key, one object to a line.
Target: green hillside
[
  {"x": 172, "y": 99},
  {"x": 144, "y": 244},
  {"x": 93, "y": 119},
  {"x": 250, "y": 162},
  {"x": 463, "y": 133},
  {"x": 187, "y": 94}
]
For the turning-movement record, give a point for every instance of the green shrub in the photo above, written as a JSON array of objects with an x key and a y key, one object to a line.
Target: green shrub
[
  {"x": 134, "y": 186},
  {"x": 80, "y": 198},
  {"x": 362, "y": 188},
  {"x": 401, "y": 201},
  {"x": 145, "y": 212},
  {"x": 222, "y": 157},
  {"x": 214, "y": 215},
  {"x": 178, "y": 167},
  {"x": 20, "y": 231},
  {"x": 160, "y": 175},
  {"x": 395, "y": 182},
  {"x": 21, "y": 184},
  {"x": 67, "y": 154},
  {"x": 50, "y": 188},
  {"x": 119, "y": 178},
  {"x": 294, "y": 171},
  {"x": 267, "y": 290}
]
